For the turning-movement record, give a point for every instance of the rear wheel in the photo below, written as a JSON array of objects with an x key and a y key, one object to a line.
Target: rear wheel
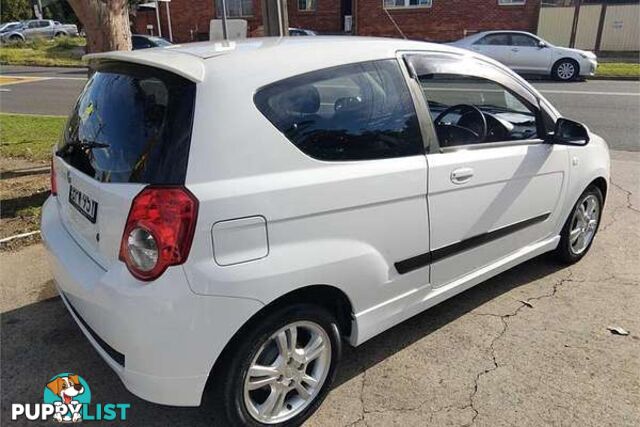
[
  {"x": 581, "y": 226},
  {"x": 282, "y": 369},
  {"x": 565, "y": 70}
]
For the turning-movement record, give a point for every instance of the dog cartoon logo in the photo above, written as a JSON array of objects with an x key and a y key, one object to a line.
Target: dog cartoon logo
[{"x": 68, "y": 392}]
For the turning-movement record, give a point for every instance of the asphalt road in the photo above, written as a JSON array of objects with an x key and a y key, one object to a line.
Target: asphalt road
[{"x": 610, "y": 108}]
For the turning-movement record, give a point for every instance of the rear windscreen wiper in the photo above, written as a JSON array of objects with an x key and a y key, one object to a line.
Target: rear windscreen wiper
[{"x": 81, "y": 144}]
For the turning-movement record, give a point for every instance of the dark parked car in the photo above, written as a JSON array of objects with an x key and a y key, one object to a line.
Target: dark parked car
[{"x": 142, "y": 41}]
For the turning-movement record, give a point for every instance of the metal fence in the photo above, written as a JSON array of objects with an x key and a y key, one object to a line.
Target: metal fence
[{"x": 591, "y": 25}]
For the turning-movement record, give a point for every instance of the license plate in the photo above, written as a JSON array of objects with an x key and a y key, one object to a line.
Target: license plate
[{"x": 83, "y": 203}]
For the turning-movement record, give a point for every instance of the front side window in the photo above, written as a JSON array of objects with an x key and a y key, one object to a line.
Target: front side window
[
  {"x": 306, "y": 5},
  {"x": 354, "y": 112},
  {"x": 235, "y": 8},
  {"x": 472, "y": 110},
  {"x": 499, "y": 39},
  {"x": 393, "y": 4},
  {"x": 523, "y": 40}
]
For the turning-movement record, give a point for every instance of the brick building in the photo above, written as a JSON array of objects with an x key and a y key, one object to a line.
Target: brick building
[
  {"x": 435, "y": 20},
  {"x": 443, "y": 20}
]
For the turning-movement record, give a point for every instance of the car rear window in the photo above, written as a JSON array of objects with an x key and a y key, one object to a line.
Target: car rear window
[{"x": 131, "y": 123}]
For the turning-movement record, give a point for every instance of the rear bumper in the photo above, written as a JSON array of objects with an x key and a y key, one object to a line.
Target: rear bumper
[{"x": 160, "y": 338}]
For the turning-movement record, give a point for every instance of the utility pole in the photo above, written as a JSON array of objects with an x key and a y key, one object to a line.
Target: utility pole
[
  {"x": 158, "y": 18},
  {"x": 275, "y": 18},
  {"x": 225, "y": 34},
  {"x": 166, "y": 4}
]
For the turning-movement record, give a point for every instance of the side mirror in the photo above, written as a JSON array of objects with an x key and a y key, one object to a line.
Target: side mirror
[
  {"x": 569, "y": 132},
  {"x": 541, "y": 44}
]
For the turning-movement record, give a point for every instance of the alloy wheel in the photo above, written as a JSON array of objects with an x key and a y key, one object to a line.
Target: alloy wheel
[
  {"x": 584, "y": 224},
  {"x": 287, "y": 372},
  {"x": 566, "y": 71}
]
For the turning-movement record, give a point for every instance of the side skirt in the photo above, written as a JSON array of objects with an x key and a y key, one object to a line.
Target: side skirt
[{"x": 370, "y": 322}]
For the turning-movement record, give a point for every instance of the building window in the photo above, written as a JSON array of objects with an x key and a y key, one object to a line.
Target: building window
[
  {"x": 396, "y": 4},
  {"x": 307, "y": 5},
  {"x": 235, "y": 8},
  {"x": 511, "y": 2}
]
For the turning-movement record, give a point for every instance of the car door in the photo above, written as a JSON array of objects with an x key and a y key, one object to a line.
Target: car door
[
  {"x": 496, "y": 46},
  {"x": 31, "y": 30},
  {"x": 527, "y": 55},
  {"x": 489, "y": 199}
]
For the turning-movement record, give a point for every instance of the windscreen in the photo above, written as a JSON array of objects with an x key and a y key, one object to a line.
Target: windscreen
[{"x": 133, "y": 124}]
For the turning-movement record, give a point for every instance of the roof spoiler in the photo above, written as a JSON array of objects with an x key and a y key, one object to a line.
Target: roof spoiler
[{"x": 188, "y": 66}]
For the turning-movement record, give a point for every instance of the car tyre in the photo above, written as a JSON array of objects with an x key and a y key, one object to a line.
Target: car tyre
[
  {"x": 565, "y": 70},
  {"x": 242, "y": 407},
  {"x": 579, "y": 231}
]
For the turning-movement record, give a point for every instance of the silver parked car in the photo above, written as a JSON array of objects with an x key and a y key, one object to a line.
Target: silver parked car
[
  {"x": 40, "y": 28},
  {"x": 526, "y": 53}
]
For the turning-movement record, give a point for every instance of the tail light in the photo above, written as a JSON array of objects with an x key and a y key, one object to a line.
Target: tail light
[
  {"x": 159, "y": 231},
  {"x": 54, "y": 185}
]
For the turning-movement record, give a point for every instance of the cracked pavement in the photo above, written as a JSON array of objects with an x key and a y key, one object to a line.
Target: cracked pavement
[{"x": 529, "y": 347}]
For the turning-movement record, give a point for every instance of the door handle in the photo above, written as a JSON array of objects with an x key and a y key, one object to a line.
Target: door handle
[
  {"x": 515, "y": 50},
  {"x": 461, "y": 175}
]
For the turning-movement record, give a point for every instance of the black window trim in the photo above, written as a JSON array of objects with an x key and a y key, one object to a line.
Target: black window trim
[{"x": 434, "y": 59}]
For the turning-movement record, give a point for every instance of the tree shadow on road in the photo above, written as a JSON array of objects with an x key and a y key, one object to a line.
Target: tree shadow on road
[{"x": 41, "y": 340}]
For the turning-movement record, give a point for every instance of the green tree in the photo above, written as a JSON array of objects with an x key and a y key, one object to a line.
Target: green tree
[{"x": 15, "y": 10}]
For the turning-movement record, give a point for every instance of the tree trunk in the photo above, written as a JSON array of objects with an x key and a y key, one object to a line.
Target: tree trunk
[{"x": 105, "y": 22}]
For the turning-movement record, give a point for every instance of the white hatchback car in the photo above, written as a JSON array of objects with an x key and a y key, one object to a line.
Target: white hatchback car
[
  {"x": 224, "y": 214},
  {"x": 527, "y": 53}
]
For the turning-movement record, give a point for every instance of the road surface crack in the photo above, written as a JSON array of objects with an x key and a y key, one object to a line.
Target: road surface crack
[
  {"x": 505, "y": 326},
  {"x": 629, "y": 194}
]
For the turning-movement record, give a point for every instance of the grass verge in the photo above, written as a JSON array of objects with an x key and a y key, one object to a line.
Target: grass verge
[
  {"x": 59, "y": 52},
  {"x": 29, "y": 136},
  {"x": 618, "y": 69}
]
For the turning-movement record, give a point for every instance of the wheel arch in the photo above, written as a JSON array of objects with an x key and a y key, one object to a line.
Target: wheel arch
[
  {"x": 566, "y": 58},
  {"x": 601, "y": 183},
  {"x": 15, "y": 36},
  {"x": 330, "y": 297}
]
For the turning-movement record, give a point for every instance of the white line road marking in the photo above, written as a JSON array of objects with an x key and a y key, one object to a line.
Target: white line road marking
[
  {"x": 575, "y": 92},
  {"x": 43, "y": 78},
  {"x": 5, "y": 90}
]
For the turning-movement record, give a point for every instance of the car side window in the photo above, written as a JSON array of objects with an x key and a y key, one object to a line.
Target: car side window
[
  {"x": 473, "y": 110},
  {"x": 500, "y": 39},
  {"x": 140, "y": 43},
  {"x": 33, "y": 24},
  {"x": 523, "y": 40},
  {"x": 355, "y": 112}
]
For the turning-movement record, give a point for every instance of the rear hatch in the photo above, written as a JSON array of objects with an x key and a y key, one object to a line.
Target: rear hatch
[{"x": 130, "y": 127}]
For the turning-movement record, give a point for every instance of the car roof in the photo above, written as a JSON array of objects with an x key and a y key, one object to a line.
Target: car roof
[
  {"x": 271, "y": 56},
  {"x": 484, "y": 33}
]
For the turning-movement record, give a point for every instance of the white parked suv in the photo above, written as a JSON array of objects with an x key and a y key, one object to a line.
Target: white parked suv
[
  {"x": 527, "y": 53},
  {"x": 228, "y": 213}
]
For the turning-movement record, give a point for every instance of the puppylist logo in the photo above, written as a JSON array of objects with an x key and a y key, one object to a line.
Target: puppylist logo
[{"x": 67, "y": 399}]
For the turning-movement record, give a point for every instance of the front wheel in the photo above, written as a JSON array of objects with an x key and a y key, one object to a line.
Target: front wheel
[
  {"x": 565, "y": 70},
  {"x": 282, "y": 368},
  {"x": 581, "y": 226}
]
